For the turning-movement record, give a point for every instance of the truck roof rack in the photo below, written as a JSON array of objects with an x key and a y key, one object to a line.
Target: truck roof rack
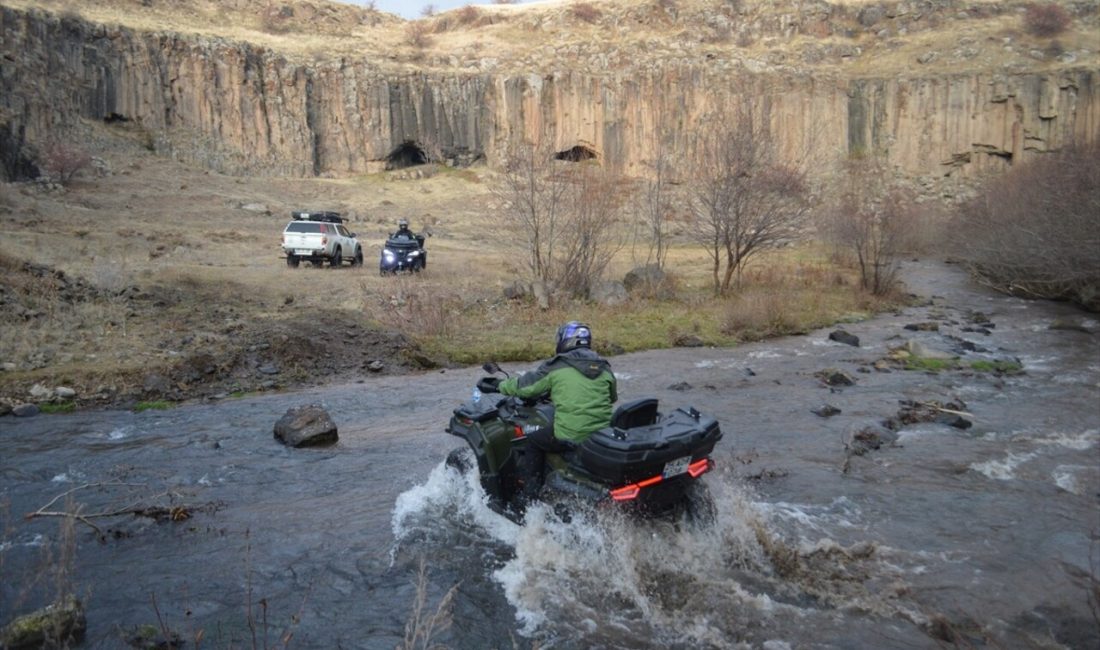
[{"x": 328, "y": 217}]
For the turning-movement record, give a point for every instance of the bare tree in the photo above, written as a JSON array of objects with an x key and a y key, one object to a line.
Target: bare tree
[
  {"x": 563, "y": 214},
  {"x": 745, "y": 197},
  {"x": 870, "y": 215},
  {"x": 655, "y": 208},
  {"x": 62, "y": 161},
  {"x": 594, "y": 202}
]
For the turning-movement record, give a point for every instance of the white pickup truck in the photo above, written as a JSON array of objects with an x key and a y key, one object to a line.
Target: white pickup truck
[{"x": 318, "y": 237}]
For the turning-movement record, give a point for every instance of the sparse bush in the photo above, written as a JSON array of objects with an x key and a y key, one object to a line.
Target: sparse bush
[
  {"x": 467, "y": 14},
  {"x": 416, "y": 34},
  {"x": 870, "y": 217},
  {"x": 428, "y": 11},
  {"x": 1032, "y": 232},
  {"x": 62, "y": 161},
  {"x": 585, "y": 11},
  {"x": 1046, "y": 19}
]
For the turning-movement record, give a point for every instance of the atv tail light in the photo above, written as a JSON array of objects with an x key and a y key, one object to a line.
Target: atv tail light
[
  {"x": 629, "y": 492},
  {"x": 700, "y": 467},
  {"x": 519, "y": 431}
]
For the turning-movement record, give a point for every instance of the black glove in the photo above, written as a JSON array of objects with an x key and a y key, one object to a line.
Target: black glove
[{"x": 489, "y": 384}]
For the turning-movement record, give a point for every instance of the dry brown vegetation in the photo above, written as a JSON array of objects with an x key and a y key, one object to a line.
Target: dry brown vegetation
[{"x": 1033, "y": 231}]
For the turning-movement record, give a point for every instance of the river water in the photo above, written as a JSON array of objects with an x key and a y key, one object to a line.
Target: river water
[{"x": 984, "y": 536}]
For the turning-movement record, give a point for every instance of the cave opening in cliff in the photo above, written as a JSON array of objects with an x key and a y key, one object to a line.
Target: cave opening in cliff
[
  {"x": 579, "y": 153},
  {"x": 409, "y": 154}
]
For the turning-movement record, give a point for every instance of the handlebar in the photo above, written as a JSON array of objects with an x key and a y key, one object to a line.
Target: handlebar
[{"x": 489, "y": 384}]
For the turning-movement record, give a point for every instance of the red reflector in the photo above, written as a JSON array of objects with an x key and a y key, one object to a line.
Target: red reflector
[
  {"x": 700, "y": 467},
  {"x": 519, "y": 431},
  {"x": 625, "y": 493}
]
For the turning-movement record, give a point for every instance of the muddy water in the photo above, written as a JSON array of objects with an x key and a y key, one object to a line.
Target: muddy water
[{"x": 987, "y": 535}]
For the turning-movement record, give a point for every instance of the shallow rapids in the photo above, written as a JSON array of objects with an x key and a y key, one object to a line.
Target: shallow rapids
[{"x": 986, "y": 535}]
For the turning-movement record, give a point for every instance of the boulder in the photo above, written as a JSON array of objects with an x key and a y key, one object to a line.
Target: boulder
[
  {"x": 518, "y": 290},
  {"x": 643, "y": 277},
  {"x": 834, "y": 377},
  {"x": 928, "y": 326},
  {"x": 841, "y": 336},
  {"x": 870, "y": 438},
  {"x": 25, "y": 411},
  {"x": 64, "y": 392},
  {"x": 306, "y": 426},
  {"x": 40, "y": 392},
  {"x": 61, "y": 624},
  {"x": 921, "y": 351},
  {"x": 609, "y": 293}
]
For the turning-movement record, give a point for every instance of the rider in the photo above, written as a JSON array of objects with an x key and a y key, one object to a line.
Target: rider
[
  {"x": 581, "y": 386},
  {"x": 403, "y": 231}
]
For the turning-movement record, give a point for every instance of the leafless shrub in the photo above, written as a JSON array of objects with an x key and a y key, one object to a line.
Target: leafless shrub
[
  {"x": 745, "y": 198},
  {"x": 428, "y": 11},
  {"x": 564, "y": 216},
  {"x": 420, "y": 309},
  {"x": 655, "y": 208},
  {"x": 1032, "y": 232},
  {"x": 1046, "y": 19},
  {"x": 467, "y": 14},
  {"x": 62, "y": 161},
  {"x": 416, "y": 34},
  {"x": 585, "y": 11},
  {"x": 756, "y": 314},
  {"x": 869, "y": 216}
]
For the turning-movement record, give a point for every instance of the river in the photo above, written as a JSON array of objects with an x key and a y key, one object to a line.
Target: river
[{"x": 988, "y": 535}]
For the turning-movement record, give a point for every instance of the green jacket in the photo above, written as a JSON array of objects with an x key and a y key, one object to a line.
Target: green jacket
[{"x": 581, "y": 386}]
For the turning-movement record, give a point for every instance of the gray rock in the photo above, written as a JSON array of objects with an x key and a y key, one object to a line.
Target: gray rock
[
  {"x": 38, "y": 391},
  {"x": 688, "y": 341},
  {"x": 918, "y": 349},
  {"x": 825, "y": 411},
  {"x": 518, "y": 290},
  {"x": 5, "y": 409},
  {"x": 643, "y": 277},
  {"x": 927, "y": 57},
  {"x": 928, "y": 326},
  {"x": 609, "y": 293},
  {"x": 25, "y": 410},
  {"x": 8, "y": 366},
  {"x": 841, "y": 336},
  {"x": 375, "y": 366},
  {"x": 681, "y": 386},
  {"x": 306, "y": 426},
  {"x": 64, "y": 392},
  {"x": 834, "y": 377},
  {"x": 256, "y": 207},
  {"x": 269, "y": 369}
]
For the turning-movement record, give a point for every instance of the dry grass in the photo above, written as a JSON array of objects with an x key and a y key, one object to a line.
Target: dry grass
[{"x": 522, "y": 36}]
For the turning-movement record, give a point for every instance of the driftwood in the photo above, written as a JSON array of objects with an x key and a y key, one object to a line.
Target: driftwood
[{"x": 143, "y": 507}]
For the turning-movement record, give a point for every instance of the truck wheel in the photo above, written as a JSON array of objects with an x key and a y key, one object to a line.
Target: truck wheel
[
  {"x": 358, "y": 261},
  {"x": 292, "y": 261},
  {"x": 337, "y": 258}
]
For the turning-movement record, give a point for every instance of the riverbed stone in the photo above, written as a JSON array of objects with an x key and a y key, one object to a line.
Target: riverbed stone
[
  {"x": 927, "y": 326},
  {"x": 825, "y": 411},
  {"x": 306, "y": 426},
  {"x": 64, "y": 392},
  {"x": 38, "y": 391},
  {"x": 842, "y": 336},
  {"x": 835, "y": 377},
  {"x": 60, "y": 624},
  {"x": 25, "y": 411}
]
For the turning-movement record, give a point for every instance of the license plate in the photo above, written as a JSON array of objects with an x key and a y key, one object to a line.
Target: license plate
[
  {"x": 676, "y": 467},
  {"x": 303, "y": 252}
]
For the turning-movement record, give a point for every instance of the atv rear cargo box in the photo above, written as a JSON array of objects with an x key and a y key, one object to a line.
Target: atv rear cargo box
[{"x": 624, "y": 456}]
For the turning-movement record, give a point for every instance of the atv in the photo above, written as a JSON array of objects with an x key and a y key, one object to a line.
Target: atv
[
  {"x": 403, "y": 254},
  {"x": 646, "y": 463}
]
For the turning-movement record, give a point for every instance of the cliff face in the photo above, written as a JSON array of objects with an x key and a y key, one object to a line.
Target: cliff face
[{"x": 239, "y": 108}]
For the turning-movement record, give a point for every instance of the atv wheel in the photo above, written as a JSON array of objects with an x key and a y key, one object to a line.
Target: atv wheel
[
  {"x": 292, "y": 261},
  {"x": 337, "y": 259}
]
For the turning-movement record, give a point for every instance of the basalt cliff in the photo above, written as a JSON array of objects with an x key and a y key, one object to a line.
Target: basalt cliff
[{"x": 944, "y": 89}]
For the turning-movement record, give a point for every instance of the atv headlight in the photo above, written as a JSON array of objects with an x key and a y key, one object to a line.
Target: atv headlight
[
  {"x": 414, "y": 254},
  {"x": 387, "y": 255}
]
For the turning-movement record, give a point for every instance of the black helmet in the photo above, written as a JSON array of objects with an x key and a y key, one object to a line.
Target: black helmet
[
  {"x": 403, "y": 224},
  {"x": 572, "y": 335}
]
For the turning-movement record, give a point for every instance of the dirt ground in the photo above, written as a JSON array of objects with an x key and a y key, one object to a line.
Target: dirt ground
[{"x": 146, "y": 280}]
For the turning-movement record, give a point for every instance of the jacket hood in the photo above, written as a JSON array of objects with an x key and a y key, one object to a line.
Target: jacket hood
[{"x": 584, "y": 361}]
